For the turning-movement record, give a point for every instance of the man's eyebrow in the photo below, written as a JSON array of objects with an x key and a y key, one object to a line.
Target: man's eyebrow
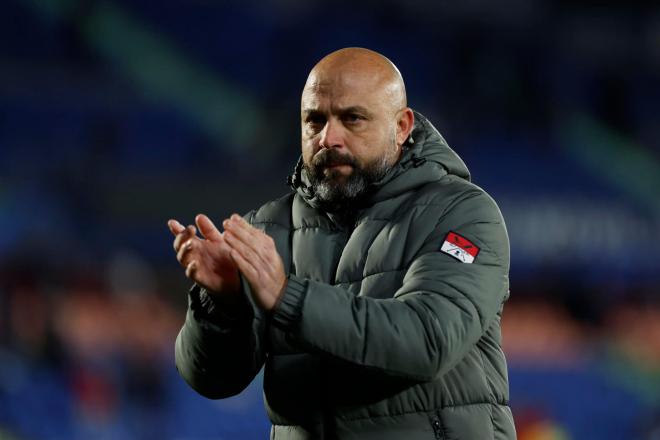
[
  {"x": 340, "y": 111},
  {"x": 353, "y": 109}
]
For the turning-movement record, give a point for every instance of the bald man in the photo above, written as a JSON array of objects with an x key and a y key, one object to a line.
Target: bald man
[{"x": 372, "y": 292}]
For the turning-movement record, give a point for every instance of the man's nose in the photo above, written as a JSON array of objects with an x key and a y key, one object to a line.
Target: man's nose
[{"x": 332, "y": 135}]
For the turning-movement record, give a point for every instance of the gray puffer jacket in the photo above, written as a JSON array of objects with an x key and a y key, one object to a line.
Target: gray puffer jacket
[{"x": 389, "y": 327}]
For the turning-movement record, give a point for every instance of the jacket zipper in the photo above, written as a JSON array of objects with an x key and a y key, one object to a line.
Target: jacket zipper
[{"x": 437, "y": 428}]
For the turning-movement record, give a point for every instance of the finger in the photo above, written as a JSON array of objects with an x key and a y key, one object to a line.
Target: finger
[
  {"x": 180, "y": 239},
  {"x": 191, "y": 269},
  {"x": 242, "y": 223},
  {"x": 274, "y": 264},
  {"x": 247, "y": 234},
  {"x": 184, "y": 251},
  {"x": 243, "y": 248},
  {"x": 247, "y": 269},
  {"x": 261, "y": 245},
  {"x": 186, "y": 234},
  {"x": 175, "y": 227},
  {"x": 207, "y": 228}
]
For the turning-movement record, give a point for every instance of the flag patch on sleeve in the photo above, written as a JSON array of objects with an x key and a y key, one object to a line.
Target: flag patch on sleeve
[{"x": 459, "y": 247}]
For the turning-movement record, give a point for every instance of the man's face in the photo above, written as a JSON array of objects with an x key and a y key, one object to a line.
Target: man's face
[{"x": 348, "y": 134}]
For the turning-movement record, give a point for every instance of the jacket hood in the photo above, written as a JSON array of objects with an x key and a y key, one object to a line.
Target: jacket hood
[{"x": 426, "y": 158}]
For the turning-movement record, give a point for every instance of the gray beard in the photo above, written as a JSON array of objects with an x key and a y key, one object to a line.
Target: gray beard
[
  {"x": 356, "y": 184},
  {"x": 336, "y": 196}
]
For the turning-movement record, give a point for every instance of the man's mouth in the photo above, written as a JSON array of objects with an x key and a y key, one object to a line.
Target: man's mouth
[
  {"x": 338, "y": 170},
  {"x": 338, "y": 164},
  {"x": 341, "y": 167}
]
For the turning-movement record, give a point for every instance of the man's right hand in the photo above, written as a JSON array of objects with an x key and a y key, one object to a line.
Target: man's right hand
[{"x": 207, "y": 260}]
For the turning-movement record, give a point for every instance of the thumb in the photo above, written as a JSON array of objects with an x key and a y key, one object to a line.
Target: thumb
[{"x": 207, "y": 228}]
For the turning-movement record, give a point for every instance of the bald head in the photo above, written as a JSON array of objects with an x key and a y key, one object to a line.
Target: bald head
[
  {"x": 360, "y": 67},
  {"x": 354, "y": 122}
]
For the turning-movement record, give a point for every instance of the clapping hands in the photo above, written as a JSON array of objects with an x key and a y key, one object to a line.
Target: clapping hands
[{"x": 214, "y": 260}]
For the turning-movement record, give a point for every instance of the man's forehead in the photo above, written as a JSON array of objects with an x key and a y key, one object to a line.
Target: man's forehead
[
  {"x": 343, "y": 90},
  {"x": 312, "y": 102},
  {"x": 338, "y": 81}
]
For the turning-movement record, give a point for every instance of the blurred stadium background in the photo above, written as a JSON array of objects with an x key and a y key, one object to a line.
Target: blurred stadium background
[{"x": 116, "y": 115}]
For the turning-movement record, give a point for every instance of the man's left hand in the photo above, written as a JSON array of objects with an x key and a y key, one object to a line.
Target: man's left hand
[{"x": 256, "y": 257}]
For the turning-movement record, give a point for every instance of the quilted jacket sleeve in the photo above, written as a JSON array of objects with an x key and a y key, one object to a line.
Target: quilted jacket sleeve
[
  {"x": 216, "y": 354},
  {"x": 430, "y": 322}
]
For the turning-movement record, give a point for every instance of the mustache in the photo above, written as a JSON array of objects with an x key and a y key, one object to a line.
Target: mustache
[{"x": 332, "y": 157}]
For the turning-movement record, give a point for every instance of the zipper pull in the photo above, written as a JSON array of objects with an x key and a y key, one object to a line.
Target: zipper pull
[{"x": 437, "y": 428}]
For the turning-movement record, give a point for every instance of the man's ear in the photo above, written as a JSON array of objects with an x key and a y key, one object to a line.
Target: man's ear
[{"x": 404, "y": 125}]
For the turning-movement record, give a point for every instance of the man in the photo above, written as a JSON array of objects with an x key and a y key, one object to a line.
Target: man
[{"x": 372, "y": 292}]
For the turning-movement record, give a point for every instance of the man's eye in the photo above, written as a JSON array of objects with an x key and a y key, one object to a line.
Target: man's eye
[
  {"x": 315, "y": 120},
  {"x": 353, "y": 117}
]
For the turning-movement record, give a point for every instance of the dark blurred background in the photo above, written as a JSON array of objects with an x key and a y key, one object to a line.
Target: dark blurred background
[{"x": 117, "y": 115}]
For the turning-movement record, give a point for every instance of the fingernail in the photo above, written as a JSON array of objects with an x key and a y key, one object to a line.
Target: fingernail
[{"x": 236, "y": 217}]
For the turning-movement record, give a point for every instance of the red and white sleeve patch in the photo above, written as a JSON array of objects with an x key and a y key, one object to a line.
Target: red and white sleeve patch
[{"x": 459, "y": 247}]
